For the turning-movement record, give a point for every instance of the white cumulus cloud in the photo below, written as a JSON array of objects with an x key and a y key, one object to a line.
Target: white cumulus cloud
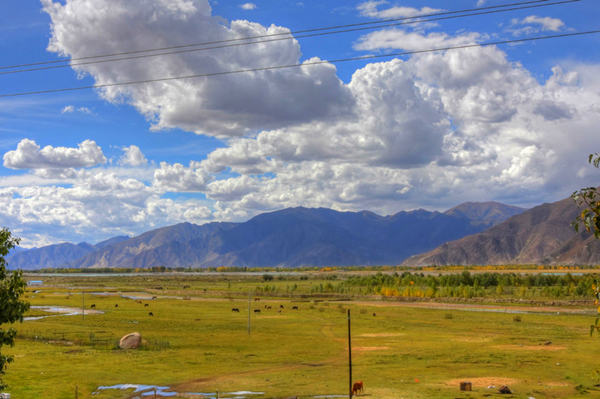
[
  {"x": 69, "y": 109},
  {"x": 248, "y": 6},
  {"x": 372, "y": 9},
  {"x": 223, "y": 106},
  {"x": 534, "y": 24},
  {"x": 410, "y": 41},
  {"x": 178, "y": 178},
  {"x": 28, "y": 155},
  {"x": 133, "y": 156},
  {"x": 547, "y": 23}
]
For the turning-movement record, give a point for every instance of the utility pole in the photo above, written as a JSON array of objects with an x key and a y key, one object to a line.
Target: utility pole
[
  {"x": 349, "y": 358},
  {"x": 248, "y": 312}
]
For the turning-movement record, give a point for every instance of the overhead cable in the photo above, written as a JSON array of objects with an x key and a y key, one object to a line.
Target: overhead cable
[
  {"x": 286, "y": 35},
  {"x": 305, "y": 64}
]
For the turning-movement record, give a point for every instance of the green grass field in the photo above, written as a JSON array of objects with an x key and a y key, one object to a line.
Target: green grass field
[{"x": 194, "y": 343}]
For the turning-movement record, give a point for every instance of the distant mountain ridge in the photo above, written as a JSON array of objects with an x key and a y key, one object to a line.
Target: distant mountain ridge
[
  {"x": 57, "y": 255},
  {"x": 487, "y": 213},
  {"x": 541, "y": 235},
  {"x": 290, "y": 237}
]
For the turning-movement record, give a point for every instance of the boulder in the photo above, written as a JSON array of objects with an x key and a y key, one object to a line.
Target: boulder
[{"x": 130, "y": 341}]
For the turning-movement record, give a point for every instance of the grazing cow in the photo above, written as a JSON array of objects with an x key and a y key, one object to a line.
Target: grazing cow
[
  {"x": 357, "y": 387},
  {"x": 235, "y": 310},
  {"x": 150, "y": 314},
  {"x": 374, "y": 314},
  {"x": 154, "y": 297},
  {"x": 93, "y": 306},
  {"x": 116, "y": 305},
  {"x": 146, "y": 305},
  {"x": 256, "y": 310},
  {"x": 294, "y": 307},
  {"x": 256, "y": 299},
  {"x": 186, "y": 286},
  {"x": 281, "y": 307},
  {"x": 138, "y": 301}
]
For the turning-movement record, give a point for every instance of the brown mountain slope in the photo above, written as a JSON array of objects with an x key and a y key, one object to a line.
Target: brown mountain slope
[{"x": 540, "y": 235}]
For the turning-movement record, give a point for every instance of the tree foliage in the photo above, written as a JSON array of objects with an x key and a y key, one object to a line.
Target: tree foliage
[
  {"x": 589, "y": 200},
  {"x": 12, "y": 286}
]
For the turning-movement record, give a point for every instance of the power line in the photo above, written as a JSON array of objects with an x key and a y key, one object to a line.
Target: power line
[
  {"x": 311, "y": 63},
  {"x": 379, "y": 24},
  {"x": 289, "y": 37}
]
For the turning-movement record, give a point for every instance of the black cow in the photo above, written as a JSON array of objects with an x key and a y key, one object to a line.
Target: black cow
[
  {"x": 150, "y": 314},
  {"x": 256, "y": 310},
  {"x": 294, "y": 307},
  {"x": 235, "y": 310},
  {"x": 93, "y": 306}
]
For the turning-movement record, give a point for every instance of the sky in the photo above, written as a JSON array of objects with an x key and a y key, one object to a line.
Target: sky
[{"x": 512, "y": 123}]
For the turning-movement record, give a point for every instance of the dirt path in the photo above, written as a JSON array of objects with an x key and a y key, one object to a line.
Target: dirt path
[{"x": 479, "y": 308}]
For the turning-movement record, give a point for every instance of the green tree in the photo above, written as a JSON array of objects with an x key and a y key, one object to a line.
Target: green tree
[
  {"x": 12, "y": 286},
  {"x": 589, "y": 200}
]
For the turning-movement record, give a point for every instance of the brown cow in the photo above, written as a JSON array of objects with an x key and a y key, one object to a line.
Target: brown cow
[{"x": 358, "y": 387}]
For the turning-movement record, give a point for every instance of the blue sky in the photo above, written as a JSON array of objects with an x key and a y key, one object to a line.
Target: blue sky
[{"x": 512, "y": 123}]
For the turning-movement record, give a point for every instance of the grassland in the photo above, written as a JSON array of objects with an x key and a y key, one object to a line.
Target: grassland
[{"x": 193, "y": 342}]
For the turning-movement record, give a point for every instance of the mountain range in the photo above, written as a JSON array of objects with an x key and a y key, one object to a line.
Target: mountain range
[{"x": 290, "y": 237}]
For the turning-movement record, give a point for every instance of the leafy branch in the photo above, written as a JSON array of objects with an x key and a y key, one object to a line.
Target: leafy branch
[
  {"x": 596, "y": 327},
  {"x": 589, "y": 200}
]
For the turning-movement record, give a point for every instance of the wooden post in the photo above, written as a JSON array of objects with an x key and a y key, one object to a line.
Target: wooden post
[
  {"x": 82, "y": 305},
  {"x": 349, "y": 358},
  {"x": 76, "y": 392},
  {"x": 155, "y": 393},
  {"x": 248, "y": 312}
]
